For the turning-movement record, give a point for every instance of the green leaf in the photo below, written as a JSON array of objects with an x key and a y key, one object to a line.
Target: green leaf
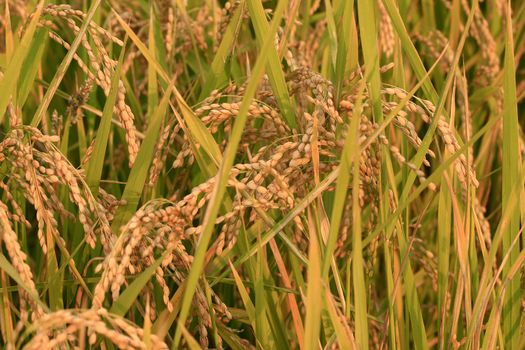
[
  {"x": 216, "y": 75},
  {"x": 30, "y": 67},
  {"x": 367, "y": 26},
  {"x": 153, "y": 98},
  {"x": 12, "y": 72},
  {"x": 96, "y": 162},
  {"x": 358, "y": 272},
  {"x": 345, "y": 22},
  {"x": 13, "y": 273},
  {"x": 130, "y": 294},
  {"x": 512, "y": 312},
  {"x": 190, "y": 341},
  {"x": 274, "y": 69},
  {"x": 313, "y": 297}
]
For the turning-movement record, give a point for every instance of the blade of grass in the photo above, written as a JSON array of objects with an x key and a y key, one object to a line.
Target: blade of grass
[
  {"x": 153, "y": 98},
  {"x": 201, "y": 134},
  {"x": 30, "y": 67},
  {"x": 262, "y": 326},
  {"x": 166, "y": 318},
  {"x": 274, "y": 69},
  {"x": 359, "y": 286},
  {"x": 313, "y": 297},
  {"x": 7, "y": 318},
  {"x": 332, "y": 32},
  {"x": 6, "y": 266},
  {"x": 53, "y": 275},
  {"x": 511, "y": 313},
  {"x": 343, "y": 331},
  {"x": 9, "y": 43},
  {"x": 190, "y": 341},
  {"x": 130, "y": 294},
  {"x": 292, "y": 303},
  {"x": 488, "y": 277},
  {"x": 367, "y": 29},
  {"x": 493, "y": 324},
  {"x": 96, "y": 162},
  {"x": 342, "y": 63},
  {"x": 245, "y": 297},
  {"x": 444, "y": 230},
  {"x": 410, "y": 50},
  {"x": 216, "y": 74},
  {"x": 349, "y": 147},
  {"x": 146, "y": 328},
  {"x": 12, "y": 73}
]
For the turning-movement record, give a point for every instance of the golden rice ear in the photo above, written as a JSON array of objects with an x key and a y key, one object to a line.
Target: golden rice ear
[
  {"x": 19, "y": 261},
  {"x": 39, "y": 168},
  {"x": 60, "y": 328},
  {"x": 99, "y": 66},
  {"x": 386, "y": 31}
]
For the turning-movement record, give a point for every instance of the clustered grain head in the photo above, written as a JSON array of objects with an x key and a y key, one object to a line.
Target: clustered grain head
[
  {"x": 99, "y": 68},
  {"x": 65, "y": 328},
  {"x": 37, "y": 170}
]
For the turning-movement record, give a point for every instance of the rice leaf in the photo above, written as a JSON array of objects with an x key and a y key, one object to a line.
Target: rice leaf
[
  {"x": 367, "y": 26},
  {"x": 313, "y": 297},
  {"x": 274, "y": 69},
  {"x": 11, "y": 75},
  {"x": 511, "y": 313},
  {"x": 96, "y": 162},
  {"x": 129, "y": 295},
  {"x": 217, "y": 76}
]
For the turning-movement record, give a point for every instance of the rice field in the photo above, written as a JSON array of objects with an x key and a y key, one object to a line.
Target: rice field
[{"x": 262, "y": 174}]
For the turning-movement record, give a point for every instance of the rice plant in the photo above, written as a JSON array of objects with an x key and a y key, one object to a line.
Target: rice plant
[{"x": 262, "y": 174}]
